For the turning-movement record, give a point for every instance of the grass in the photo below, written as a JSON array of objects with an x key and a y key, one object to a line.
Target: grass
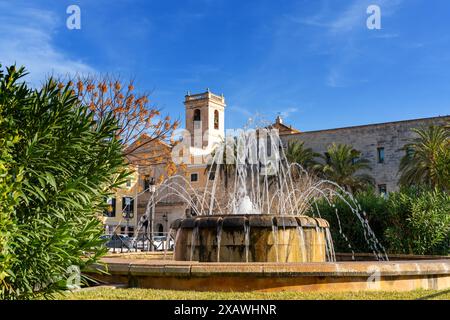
[{"x": 153, "y": 294}]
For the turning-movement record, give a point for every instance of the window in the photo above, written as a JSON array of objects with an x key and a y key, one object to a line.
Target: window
[
  {"x": 355, "y": 160},
  {"x": 269, "y": 147},
  {"x": 146, "y": 183},
  {"x": 194, "y": 177},
  {"x": 216, "y": 119},
  {"x": 410, "y": 152},
  {"x": 197, "y": 119},
  {"x": 110, "y": 210},
  {"x": 382, "y": 190},
  {"x": 130, "y": 231},
  {"x": 212, "y": 175},
  {"x": 160, "y": 229},
  {"x": 380, "y": 152},
  {"x": 197, "y": 116},
  {"x": 127, "y": 206},
  {"x": 128, "y": 182}
]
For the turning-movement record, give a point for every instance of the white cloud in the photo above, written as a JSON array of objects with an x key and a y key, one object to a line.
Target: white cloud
[
  {"x": 342, "y": 30},
  {"x": 244, "y": 111},
  {"x": 334, "y": 79},
  {"x": 354, "y": 16},
  {"x": 287, "y": 112},
  {"x": 386, "y": 36},
  {"x": 351, "y": 18},
  {"x": 26, "y": 38}
]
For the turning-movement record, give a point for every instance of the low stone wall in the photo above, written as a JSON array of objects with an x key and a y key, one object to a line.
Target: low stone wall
[{"x": 339, "y": 276}]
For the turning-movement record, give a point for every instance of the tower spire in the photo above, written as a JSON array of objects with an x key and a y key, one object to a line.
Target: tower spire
[{"x": 278, "y": 119}]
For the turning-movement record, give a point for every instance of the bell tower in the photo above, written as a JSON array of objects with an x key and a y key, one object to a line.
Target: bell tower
[{"x": 205, "y": 118}]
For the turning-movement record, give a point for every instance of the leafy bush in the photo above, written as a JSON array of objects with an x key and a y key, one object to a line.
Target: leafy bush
[
  {"x": 63, "y": 164},
  {"x": 410, "y": 221},
  {"x": 346, "y": 229},
  {"x": 427, "y": 158},
  {"x": 8, "y": 198},
  {"x": 344, "y": 165},
  {"x": 419, "y": 221}
]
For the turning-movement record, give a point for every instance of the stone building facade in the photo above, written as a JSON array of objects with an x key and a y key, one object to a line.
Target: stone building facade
[{"x": 382, "y": 144}]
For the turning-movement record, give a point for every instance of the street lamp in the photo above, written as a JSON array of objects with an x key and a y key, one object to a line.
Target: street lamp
[
  {"x": 152, "y": 190},
  {"x": 166, "y": 219},
  {"x": 166, "y": 242},
  {"x": 128, "y": 212}
]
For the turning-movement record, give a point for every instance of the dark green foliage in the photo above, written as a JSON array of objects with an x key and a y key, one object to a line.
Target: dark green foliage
[
  {"x": 8, "y": 197},
  {"x": 411, "y": 221},
  {"x": 58, "y": 171},
  {"x": 345, "y": 166},
  {"x": 427, "y": 159},
  {"x": 346, "y": 229},
  {"x": 296, "y": 152},
  {"x": 419, "y": 221}
]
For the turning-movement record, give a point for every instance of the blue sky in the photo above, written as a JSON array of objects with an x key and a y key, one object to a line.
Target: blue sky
[{"x": 313, "y": 61}]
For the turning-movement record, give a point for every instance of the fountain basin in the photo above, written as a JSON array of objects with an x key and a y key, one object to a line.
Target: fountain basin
[
  {"x": 269, "y": 277},
  {"x": 252, "y": 238}
]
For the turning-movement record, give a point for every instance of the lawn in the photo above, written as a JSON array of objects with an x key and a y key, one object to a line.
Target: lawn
[{"x": 152, "y": 294}]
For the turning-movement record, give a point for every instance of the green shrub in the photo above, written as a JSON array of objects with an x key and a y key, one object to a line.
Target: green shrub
[
  {"x": 411, "y": 221},
  {"x": 8, "y": 198},
  {"x": 54, "y": 180},
  {"x": 346, "y": 229},
  {"x": 419, "y": 221}
]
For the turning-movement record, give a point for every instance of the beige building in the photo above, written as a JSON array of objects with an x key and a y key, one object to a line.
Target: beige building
[
  {"x": 123, "y": 202},
  {"x": 130, "y": 203},
  {"x": 381, "y": 143}
]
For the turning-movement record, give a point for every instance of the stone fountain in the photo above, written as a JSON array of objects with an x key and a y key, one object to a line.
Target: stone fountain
[
  {"x": 246, "y": 234},
  {"x": 253, "y": 238},
  {"x": 263, "y": 234}
]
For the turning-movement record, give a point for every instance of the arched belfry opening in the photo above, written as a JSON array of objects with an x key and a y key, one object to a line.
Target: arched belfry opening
[{"x": 197, "y": 115}]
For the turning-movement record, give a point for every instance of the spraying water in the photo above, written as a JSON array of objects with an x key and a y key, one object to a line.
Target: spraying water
[{"x": 252, "y": 177}]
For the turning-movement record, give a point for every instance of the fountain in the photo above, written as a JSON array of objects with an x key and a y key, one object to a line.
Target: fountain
[
  {"x": 252, "y": 238},
  {"x": 262, "y": 218},
  {"x": 264, "y": 233}
]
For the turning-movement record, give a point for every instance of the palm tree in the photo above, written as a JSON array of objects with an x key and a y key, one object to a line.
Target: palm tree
[
  {"x": 342, "y": 164},
  {"x": 297, "y": 153},
  {"x": 427, "y": 158}
]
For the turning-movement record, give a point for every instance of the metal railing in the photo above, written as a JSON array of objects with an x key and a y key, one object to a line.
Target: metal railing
[{"x": 119, "y": 243}]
